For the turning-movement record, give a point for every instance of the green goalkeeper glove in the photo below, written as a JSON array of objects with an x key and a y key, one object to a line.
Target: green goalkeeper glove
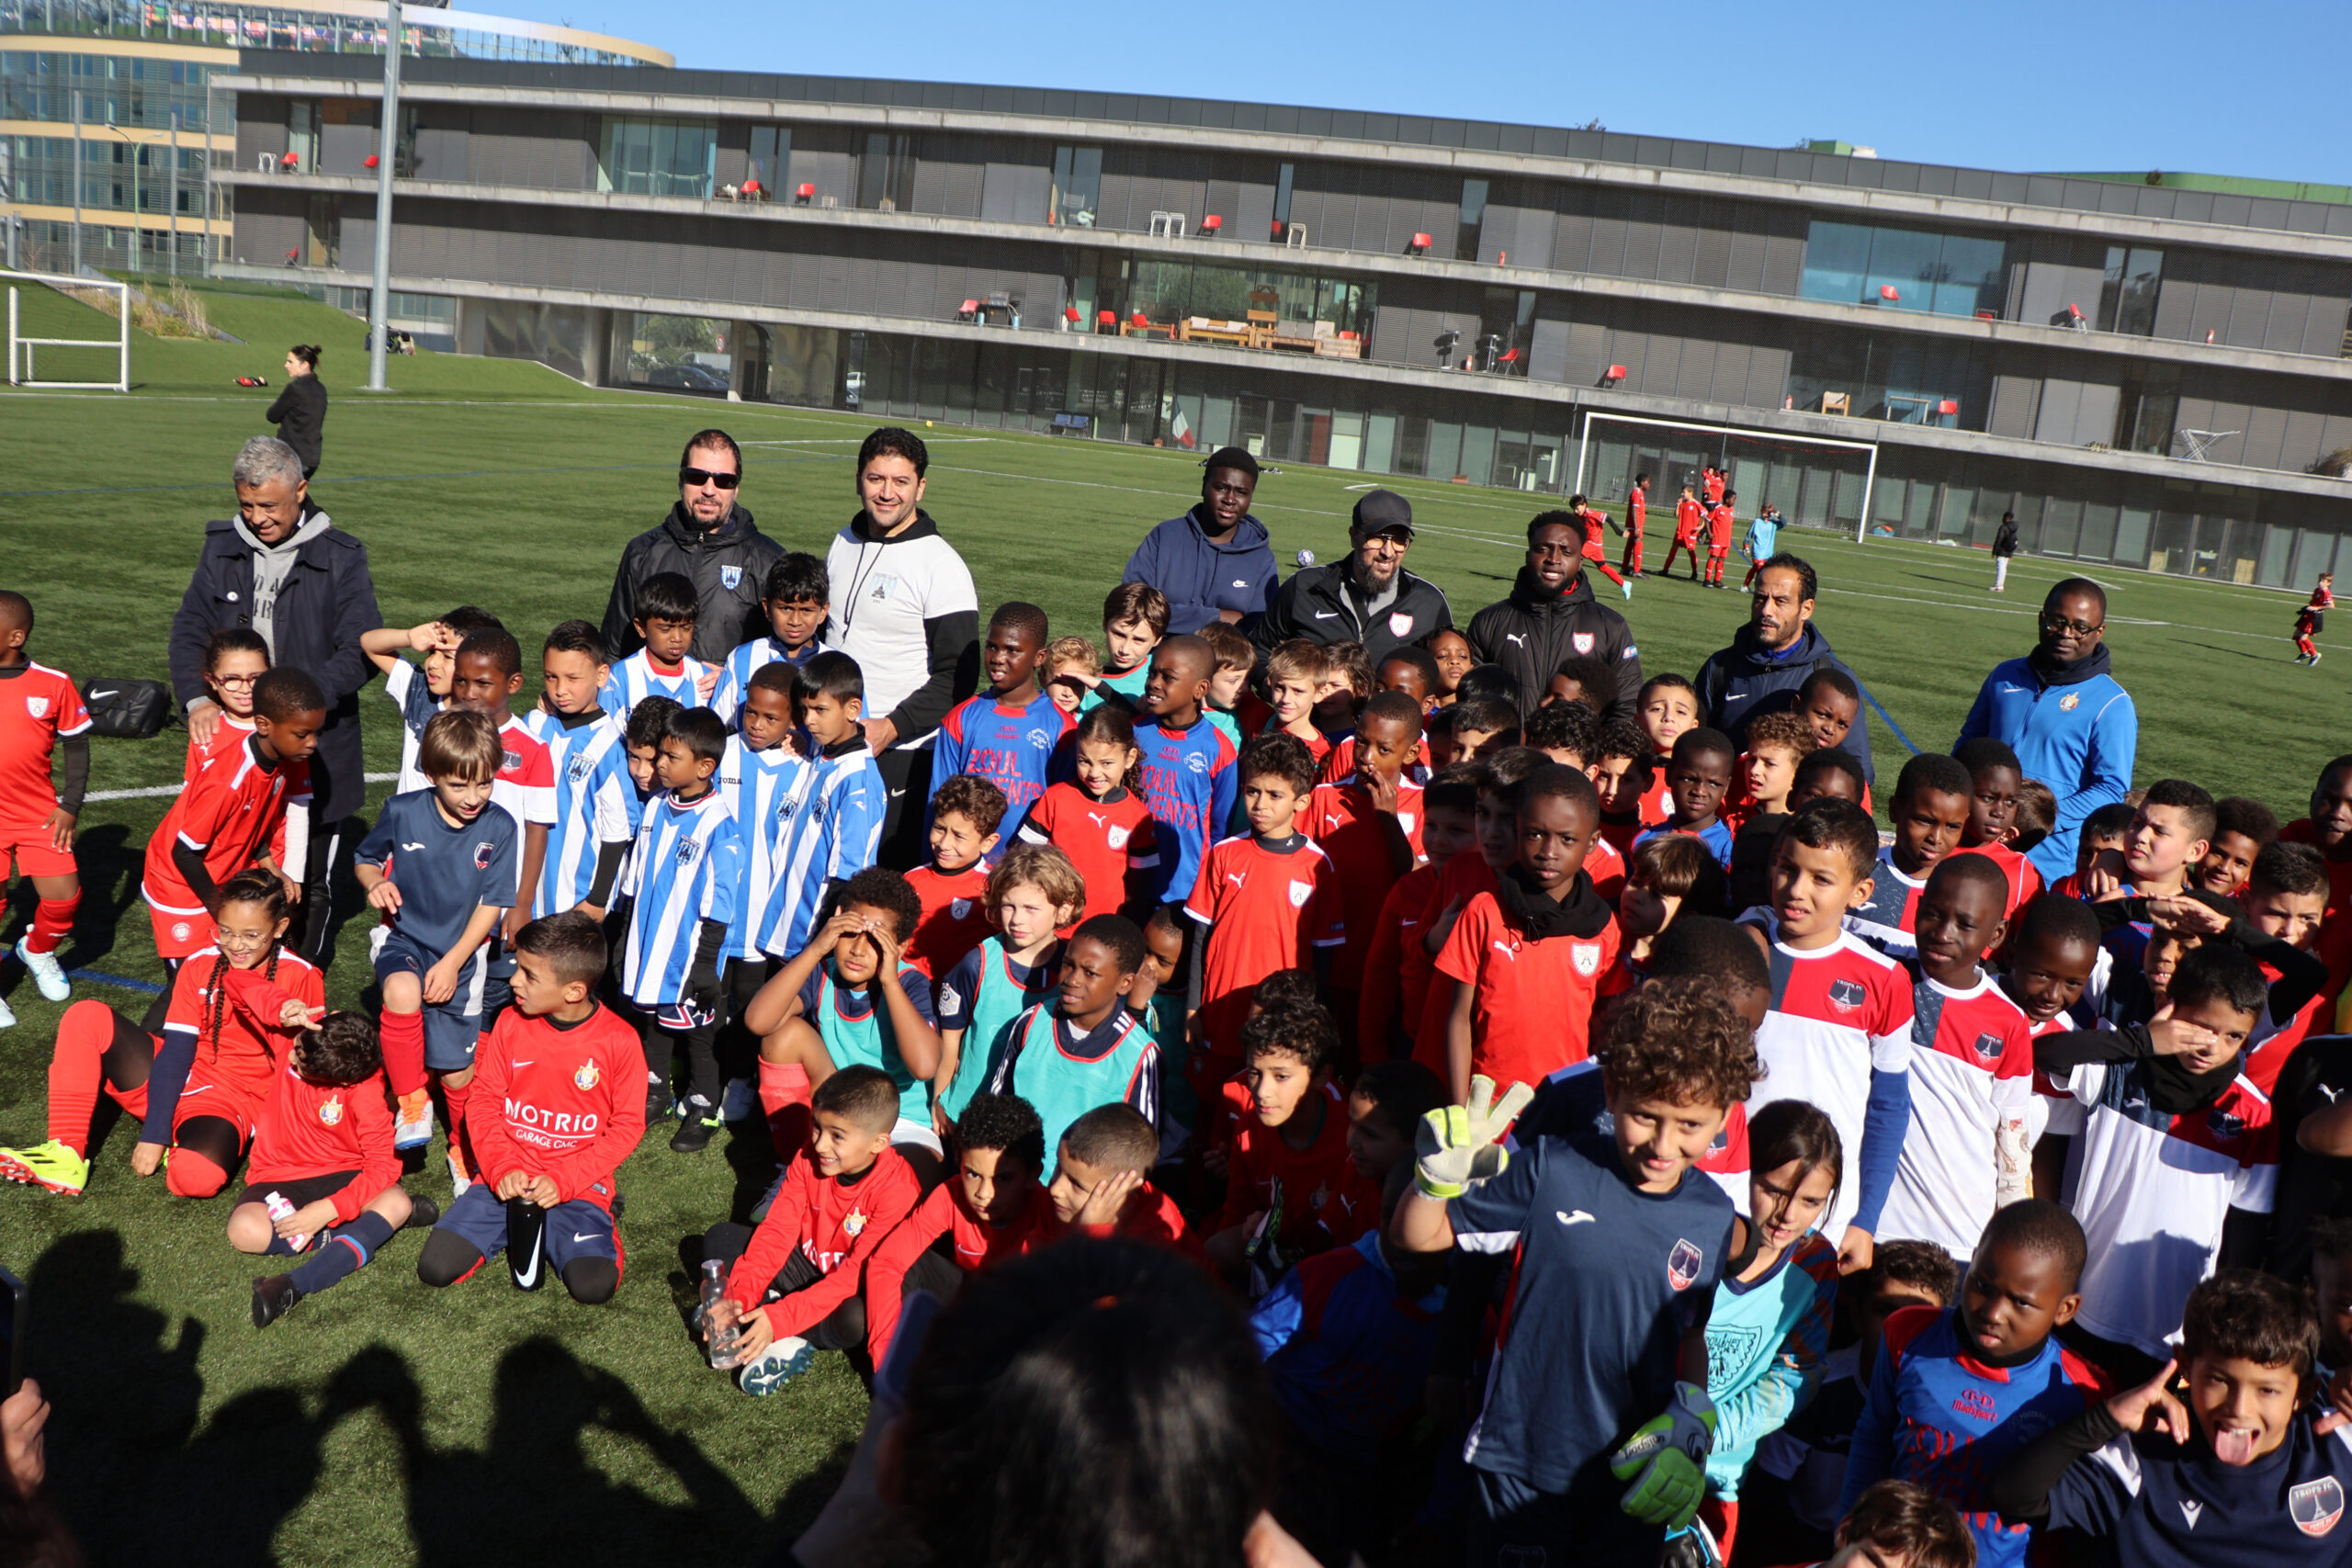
[
  {"x": 1459, "y": 1145},
  {"x": 1666, "y": 1460}
]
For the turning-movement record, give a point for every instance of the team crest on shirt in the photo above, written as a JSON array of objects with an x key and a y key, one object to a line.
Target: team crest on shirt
[
  {"x": 1682, "y": 1265},
  {"x": 1846, "y": 995},
  {"x": 686, "y": 851},
  {"x": 2316, "y": 1505},
  {"x": 585, "y": 1074},
  {"x": 854, "y": 1224},
  {"x": 951, "y": 1000},
  {"x": 1587, "y": 957},
  {"x": 2226, "y": 1125},
  {"x": 2070, "y": 702},
  {"x": 37, "y": 706},
  {"x": 1582, "y": 642},
  {"x": 579, "y": 769},
  {"x": 1300, "y": 892},
  {"x": 179, "y": 931},
  {"x": 958, "y": 907},
  {"x": 1400, "y": 624},
  {"x": 330, "y": 1110},
  {"x": 731, "y": 578},
  {"x": 483, "y": 853},
  {"x": 1116, "y": 837},
  {"x": 513, "y": 761},
  {"x": 1040, "y": 741},
  {"x": 1987, "y": 1047},
  {"x": 1197, "y": 762}
]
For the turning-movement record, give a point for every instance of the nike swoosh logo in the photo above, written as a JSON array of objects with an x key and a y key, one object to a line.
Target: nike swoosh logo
[
  {"x": 578, "y": 1236},
  {"x": 525, "y": 1063},
  {"x": 529, "y": 1277},
  {"x": 100, "y": 697},
  {"x": 1572, "y": 1217},
  {"x": 1326, "y": 615}
]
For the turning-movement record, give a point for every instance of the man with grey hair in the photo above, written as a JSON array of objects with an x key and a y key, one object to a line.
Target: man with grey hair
[
  {"x": 1368, "y": 598},
  {"x": 282, "y": 569}
]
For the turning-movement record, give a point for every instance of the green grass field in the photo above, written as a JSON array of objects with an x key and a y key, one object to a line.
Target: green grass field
[{"x": 385, "y": 1424}]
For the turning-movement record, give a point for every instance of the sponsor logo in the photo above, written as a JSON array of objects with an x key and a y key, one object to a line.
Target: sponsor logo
[
  {"x": 1987, "y": 1047},
  {"x": 1846, "y": 995},
  {"x": 483, "y": 853},
  {"x": 731, "y": 578},
  {"x": 2070, "y": 702},
  {"x": 586, "y": 1075},
  {"x": 1507, "y": 949},
  {"x": 1514, "y": 637},
  {"x": 1582, "y": 642},
  {"x": 330, "y": 1110},
  {"x": 1326, "y": 615},
  {"x": 412, "y": 847},
  {"x": 1239, "y": 582},
  {"x": 1976, "y": 1405},
  {"x": 37, "y": 706},
  {"x": 1631, "y": 652},
  {"x": 2316, "y": 1505},
  {"x": 1683, "y": 1263},
  {"x": 1572, "y": 1216},
  {"x": 1300, "y": 892},
  {"x": 566, "y": 1123},
  {"x": 1400, "y": 624},
  {"x": 1116, "y": 837}
]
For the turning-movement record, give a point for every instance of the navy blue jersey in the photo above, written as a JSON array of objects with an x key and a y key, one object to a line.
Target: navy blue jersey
[
  {"x": 2147, "y": 1499},
  {"x": 1606, "y": 1279},
  {"x": 444, "y": 873},
  {"x": 1348, "y": 1352}
]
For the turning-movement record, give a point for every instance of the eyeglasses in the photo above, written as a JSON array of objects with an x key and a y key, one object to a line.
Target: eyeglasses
[
  {"x": 694, "y": 478},
  {"x": 2061, "y": 624},
  {"x": 234, "y": 680}
]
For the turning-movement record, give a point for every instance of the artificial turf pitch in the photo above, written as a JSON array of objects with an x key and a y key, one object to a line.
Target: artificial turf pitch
[{"x": 383, "y": 1422}]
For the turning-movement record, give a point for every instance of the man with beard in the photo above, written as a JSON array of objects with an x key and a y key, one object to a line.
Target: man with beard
[
  {"x": 1552, "y": 616},
  {"x": 1772, "y": 657},
  {"x": 1368, "y": 598},
  {"x": 711, "y": 542},
  {"x": 2069, "y": 722}
]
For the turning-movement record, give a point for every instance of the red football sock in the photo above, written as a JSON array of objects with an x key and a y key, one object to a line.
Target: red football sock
[
  {"x": 402, "y": 1034},
  {"x": 785, "y": 1094},
  {"x": 53, "y": 918},
  {"x": 76, "y": 1068},
  {"x": 190, "y": 1175},
  {"x": 453, "y": 1095}
]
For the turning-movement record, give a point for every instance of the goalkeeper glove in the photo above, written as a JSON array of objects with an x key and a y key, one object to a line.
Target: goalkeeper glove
[
  {"x": 1459, "y": 1145},
  {"x": 1666, "y": 1460}
]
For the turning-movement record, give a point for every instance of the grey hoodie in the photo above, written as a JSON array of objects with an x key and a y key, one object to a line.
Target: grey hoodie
[{"x": 271, "y": 565}]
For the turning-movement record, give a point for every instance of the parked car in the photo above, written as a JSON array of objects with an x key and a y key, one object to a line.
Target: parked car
[{"x": 686, "y": 379}]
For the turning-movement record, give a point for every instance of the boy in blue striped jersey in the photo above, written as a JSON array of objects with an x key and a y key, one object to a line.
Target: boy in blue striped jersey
[
  {"x": 667, "y": 608},
  {"x": 796, "y": 599},
  {"x": 597, "y": 810},
  {"x": 768, "y": 784},
  {"x": 682, "y": 881},
  {"x": 837, "y": 829}
]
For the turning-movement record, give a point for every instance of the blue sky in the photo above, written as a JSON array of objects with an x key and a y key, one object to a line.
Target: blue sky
[{"x": 2210, "y": 86}]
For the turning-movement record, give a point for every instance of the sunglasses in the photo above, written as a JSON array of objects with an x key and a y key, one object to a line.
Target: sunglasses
[
  {"x": 694, "y": 478},
  {"x": 2061, "y": 624}
]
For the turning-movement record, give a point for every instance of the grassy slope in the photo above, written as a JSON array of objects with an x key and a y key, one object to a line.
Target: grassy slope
[{"x": 356, "y": 1431}]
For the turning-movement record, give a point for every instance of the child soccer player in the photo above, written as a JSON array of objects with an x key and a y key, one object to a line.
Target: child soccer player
[
  {"x": 1086, "y": 1049},
  {"x": 1369, "y": 826},
  {"x": 2101, "y": 835},
  {"x": 1297, "y": 674},
  {"x": 1189, "y": 778},
  {"x": 1621, "y": 768},
  {"x": 667, "y": 608},
  {"x": 2239, "y": 1467},
  {"x": 225, "y": 821},
  {"x": 1100, "y": 819},
  {"x": 1954, "y": 1392},
  {"x": 1033, "y": 894},
  {"x": 2171, "y": 829},
  {"x": 2176, "y": 1145},
  {"x": 2054, "y": 950},
  {"x": 1687, "y": 517},
  {"x": 965, "y": 813},
  {"x": 324, "y": 1178},
  {"x": 1482, "y": 726},
  {"x": 1827, "y": 776},
  {"x": 40, "y": 708},
  {"x": 1778, "y": 744},
  {"x": 1719, "y": 524},
  {"x": 1008, "y": 733},
  {"x": 595, "y": 808},
  {"x": 837, "y": 830},
  {"x": 420, "y": 691},
  {"x": 1839, "y": 1030},
  {"x": 642, "y": 734},
  {"x": 1071, "y": 666},
  {"x": 1638, "y": 516},
  {"x": 2285, "y": 898},
  {"x": 1769, "y": 1330},
  {"x": 1671, "y": 875},
  {"x": 848, "y": 999},
  {"x": 1933, "y": 798},
  {"x": 1697, "y": 778},
  {"x": 2243, "y": 828},
  {"x": 792, "y": 1284},
  {"x": 795, "y": 598},
  {"x": 1972, "y": 1069},
  {"x": 1290, "y": 1150},
  {"x": 994, "y": 1207},
  {"x": 1266, "y": 901},
  {"x": 1596, "y": 542},
  {"x": 682, "y": 882},
  {"x": 442, "y": 862},
  {"x": 1101, "y": 1187},
  {"x": 1134, "y": 620},
  {"x": 1996, "y": 783},
  {"x": 234, "y": 659},
  {"x": 199, "y": 1090},
  {"x": 2311, "y": 618},
  {"x": 1451, "y": 652},
  {"x": 1528, "y": 957},
  {"x": 1763, "y": 536},
  {"x": 2037, "y": 815},
  {"x": 768, "y": 784},
  {"x": 486, "y": 671},
  {"x": 1397, "y": 965},
  {"x": 1668, "y": 705},
  {"x": 1565, "y": 732},
  {"x": 1385, "y": 1105},
  {"x": 1231, "y": 708},
  {"x": 1832, "y": 703},
  {"x": 1618, "y": 1244}
]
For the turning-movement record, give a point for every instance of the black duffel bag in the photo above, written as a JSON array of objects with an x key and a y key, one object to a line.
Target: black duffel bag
[{"x": 126, "y": 710}]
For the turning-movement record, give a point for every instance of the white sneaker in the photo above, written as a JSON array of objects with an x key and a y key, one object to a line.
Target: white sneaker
[
  {"x": 738, "y": 1103},
  {"x": 412, "y": 1120},
  {"x": 458, "y": 1180},
  {"x": 47, "y": 973},
  {"x": 1626, "y": 589},
  {"x": 7, "y": 1019},
  {"x": 783, "y": 1360}
]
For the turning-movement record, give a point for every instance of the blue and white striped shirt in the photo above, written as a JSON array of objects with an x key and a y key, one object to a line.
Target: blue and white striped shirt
[
  {"x": 684, "y": 871},
  {"x": 769, "y": 791},
  {"x": 735, "y": 675},
  {"x": 833, "y": 837},
  {"x": 634, "y": 679},
  {"x": 596, "y": 804}
]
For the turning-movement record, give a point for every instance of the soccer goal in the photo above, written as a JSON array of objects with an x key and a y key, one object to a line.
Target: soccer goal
[
  {"x": 1818, "y": 482},
  {"x": 22, "y": 370}
]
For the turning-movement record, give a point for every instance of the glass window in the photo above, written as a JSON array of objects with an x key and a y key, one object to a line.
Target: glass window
[
  {"x": 1836, "y": 257},
  {"x": 885, "y": 175},
  {"x": 1904, "y": 269},
  {"x": 1282, "y": 201},
  {"x": 1972, "y": 276},
  {"x": 771, "y": 160},
  {"x": 1473, "y": 214},
  {"x": 2127, "y": 294},
  {"x": 658, "y": 157},
  {"x": 1078, "y": 186}
]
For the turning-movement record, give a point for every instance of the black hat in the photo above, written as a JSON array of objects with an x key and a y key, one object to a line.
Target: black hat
[{"x": 1382, "y": 512}]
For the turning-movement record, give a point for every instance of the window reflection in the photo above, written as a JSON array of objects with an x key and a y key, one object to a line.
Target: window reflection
[
  {"x": 656, "y": 157},
  {"x": 1903, "y": 269}
]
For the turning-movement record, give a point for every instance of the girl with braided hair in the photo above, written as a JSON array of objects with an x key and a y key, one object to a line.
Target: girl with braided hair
[{"x": 235, "y": 1009}]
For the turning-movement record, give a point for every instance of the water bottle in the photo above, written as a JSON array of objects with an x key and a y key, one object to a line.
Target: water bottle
[
  {"x": 714, "y": 1287},
  {"x": 279, "y": 1207}
]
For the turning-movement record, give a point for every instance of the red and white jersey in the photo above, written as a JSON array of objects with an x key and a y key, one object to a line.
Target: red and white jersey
[
  {"x": 526, "y": 782},
  {"x": 2052, "y": 1111},
  {"x": 1971, "y": 1068},
  {"x": 562, "y": 1102},
  {"x": 1719, "y": 524},
  {"x": 1264, "y": 910},
  {"x": 1337, "y": 764},
  {"x": 1726, "y": 1161},
  {"x": 2023, "y": 879},
  {"x": 1886, "y": 922},
  {"x": 311, "y": 1130},
  {"x": 2267, "y": 1053},
  {"x": 954, "y": 918},
  {"x": 1532, "y": 1010},
  {"x": 1108, "y": 841},
  {"x": 249, "y": 1042},
  {"x": 835, "y": 1224},
  {"x": 1838, "y": 1013},
  {"x": 227, "y": 735},
  {"x": 1346, "y": 826},
  {"x": 1687, "y": 516},
  {"x": 1712, "y": 483},
  {"x": 2151, "y": 1191},
  {"x": 1637, "y": 509},
  {"x": 229, "y": 814},
  {"x": 38, "y": 708}
]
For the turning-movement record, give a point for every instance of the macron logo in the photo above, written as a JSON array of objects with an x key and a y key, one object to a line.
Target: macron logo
[{"x": 2189, "y": 1509}]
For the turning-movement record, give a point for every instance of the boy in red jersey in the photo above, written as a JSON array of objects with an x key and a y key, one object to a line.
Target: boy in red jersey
[
  {"x": 1994, "y": 780},
  {"x": 1689, "y": 515},
  {"x": 1528, "y": 958},
  {"x": 792, "y": 1284},
  {"x": 966, "y": 812},
  {"x": 324, "y": 1178},
  {"x": 1638, "y": 516},
  {"x": 1290, "y": 1152},
  {"x": 223, "y": 822},
  {"x": 1495, "y": 840},
  {"x": 1385, "y": 1105},
  {"x": 1596, "y": 542},
  {"x": 1266, "y": 901},
  {"x": 994, "y": 1208},
  {"x": 1370, "y": 825},
  {"x": 2312, "y": 618},
  {"x": 559, "y": 1105},
  {"x": 1102, "y": 1183},
  {"x": 1719, "y": 524},
  {"x": 1298, "y": 674},
  {"x": 1397, "y": 966},
  {"x": 39, "y": 708},
  {"x": 1621, "y": 768}
]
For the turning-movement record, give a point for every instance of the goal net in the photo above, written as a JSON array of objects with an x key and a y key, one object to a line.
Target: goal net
[
  {"x": 1815, "y": 481},
  {"x": 55, "y": 304}
]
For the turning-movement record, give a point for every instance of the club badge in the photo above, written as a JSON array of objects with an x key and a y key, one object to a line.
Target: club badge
[
  {"x": 1300, "y": 892},
  {"x": 1582, "y": 642},
  {"x": 330, "y": 1110},
  {"x": 1400, "y": 624},
  {"x": 731, "y": 578},
  {"x": 586, "y": 1075},
  {"x": 1682, "y": 1265},
  {"x": 2316, "y": 1505}
]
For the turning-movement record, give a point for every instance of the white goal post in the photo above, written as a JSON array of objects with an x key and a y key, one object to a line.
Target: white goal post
[
  {"x": 20, "y": 347},
  {"x": 1727, "y": 436}
]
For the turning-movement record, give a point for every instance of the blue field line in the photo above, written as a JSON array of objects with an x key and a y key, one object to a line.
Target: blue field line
[
  {"x": 97, "y": 977},
  {"x": 1886, "y": 716}
]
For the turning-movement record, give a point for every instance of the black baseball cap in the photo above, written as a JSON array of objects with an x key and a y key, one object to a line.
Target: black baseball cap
[{"x": 1382, "y": 512}]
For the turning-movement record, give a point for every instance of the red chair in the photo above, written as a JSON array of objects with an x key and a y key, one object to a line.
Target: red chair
[
  {"x": 1212, "y": 224},
  {"x": 808, "y": 193},
  {"x": 1949, "y": 405},
  {"x": 1888, "y": 292},
  {"x": 370, "y": 160},
  {"x": 1616, "y": 374},
  {"x": 1138, "y": 319},
  {"x": 1070, "y": 314},
  {"x": 1106, "y": 320},
  {"x": 1420, "y": 247}
]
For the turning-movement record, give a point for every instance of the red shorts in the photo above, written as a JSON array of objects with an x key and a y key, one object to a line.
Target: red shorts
[
  {"x": 179, "y": 934},
  {"x": 30, "y": 845},
  {"x": 1717, "y": 552},
  {"x": 207, "y": 1093}
]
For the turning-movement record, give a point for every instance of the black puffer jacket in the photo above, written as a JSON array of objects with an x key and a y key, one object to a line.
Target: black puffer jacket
[
  {"x": 728, "y": 564},
  {"x": 1535, "y": 631},
  {"x": 301, "y": 415}
]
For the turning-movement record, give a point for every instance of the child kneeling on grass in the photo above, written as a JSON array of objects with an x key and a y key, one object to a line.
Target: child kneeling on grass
[{"x": 324, "y": 1178}]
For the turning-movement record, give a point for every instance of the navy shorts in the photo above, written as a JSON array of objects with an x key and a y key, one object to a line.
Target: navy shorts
[
  {"x": 577, "y": 1229},
  {"x": 452, "y": 1029}
]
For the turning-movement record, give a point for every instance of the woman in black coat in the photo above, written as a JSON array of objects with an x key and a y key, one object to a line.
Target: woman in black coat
[{"x": 300, "y": 411}]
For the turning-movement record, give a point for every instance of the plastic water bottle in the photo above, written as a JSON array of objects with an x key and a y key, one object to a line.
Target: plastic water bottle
[
  {"x": 714, "y": 1287},
  {"x": 279, "y": 1207}
]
